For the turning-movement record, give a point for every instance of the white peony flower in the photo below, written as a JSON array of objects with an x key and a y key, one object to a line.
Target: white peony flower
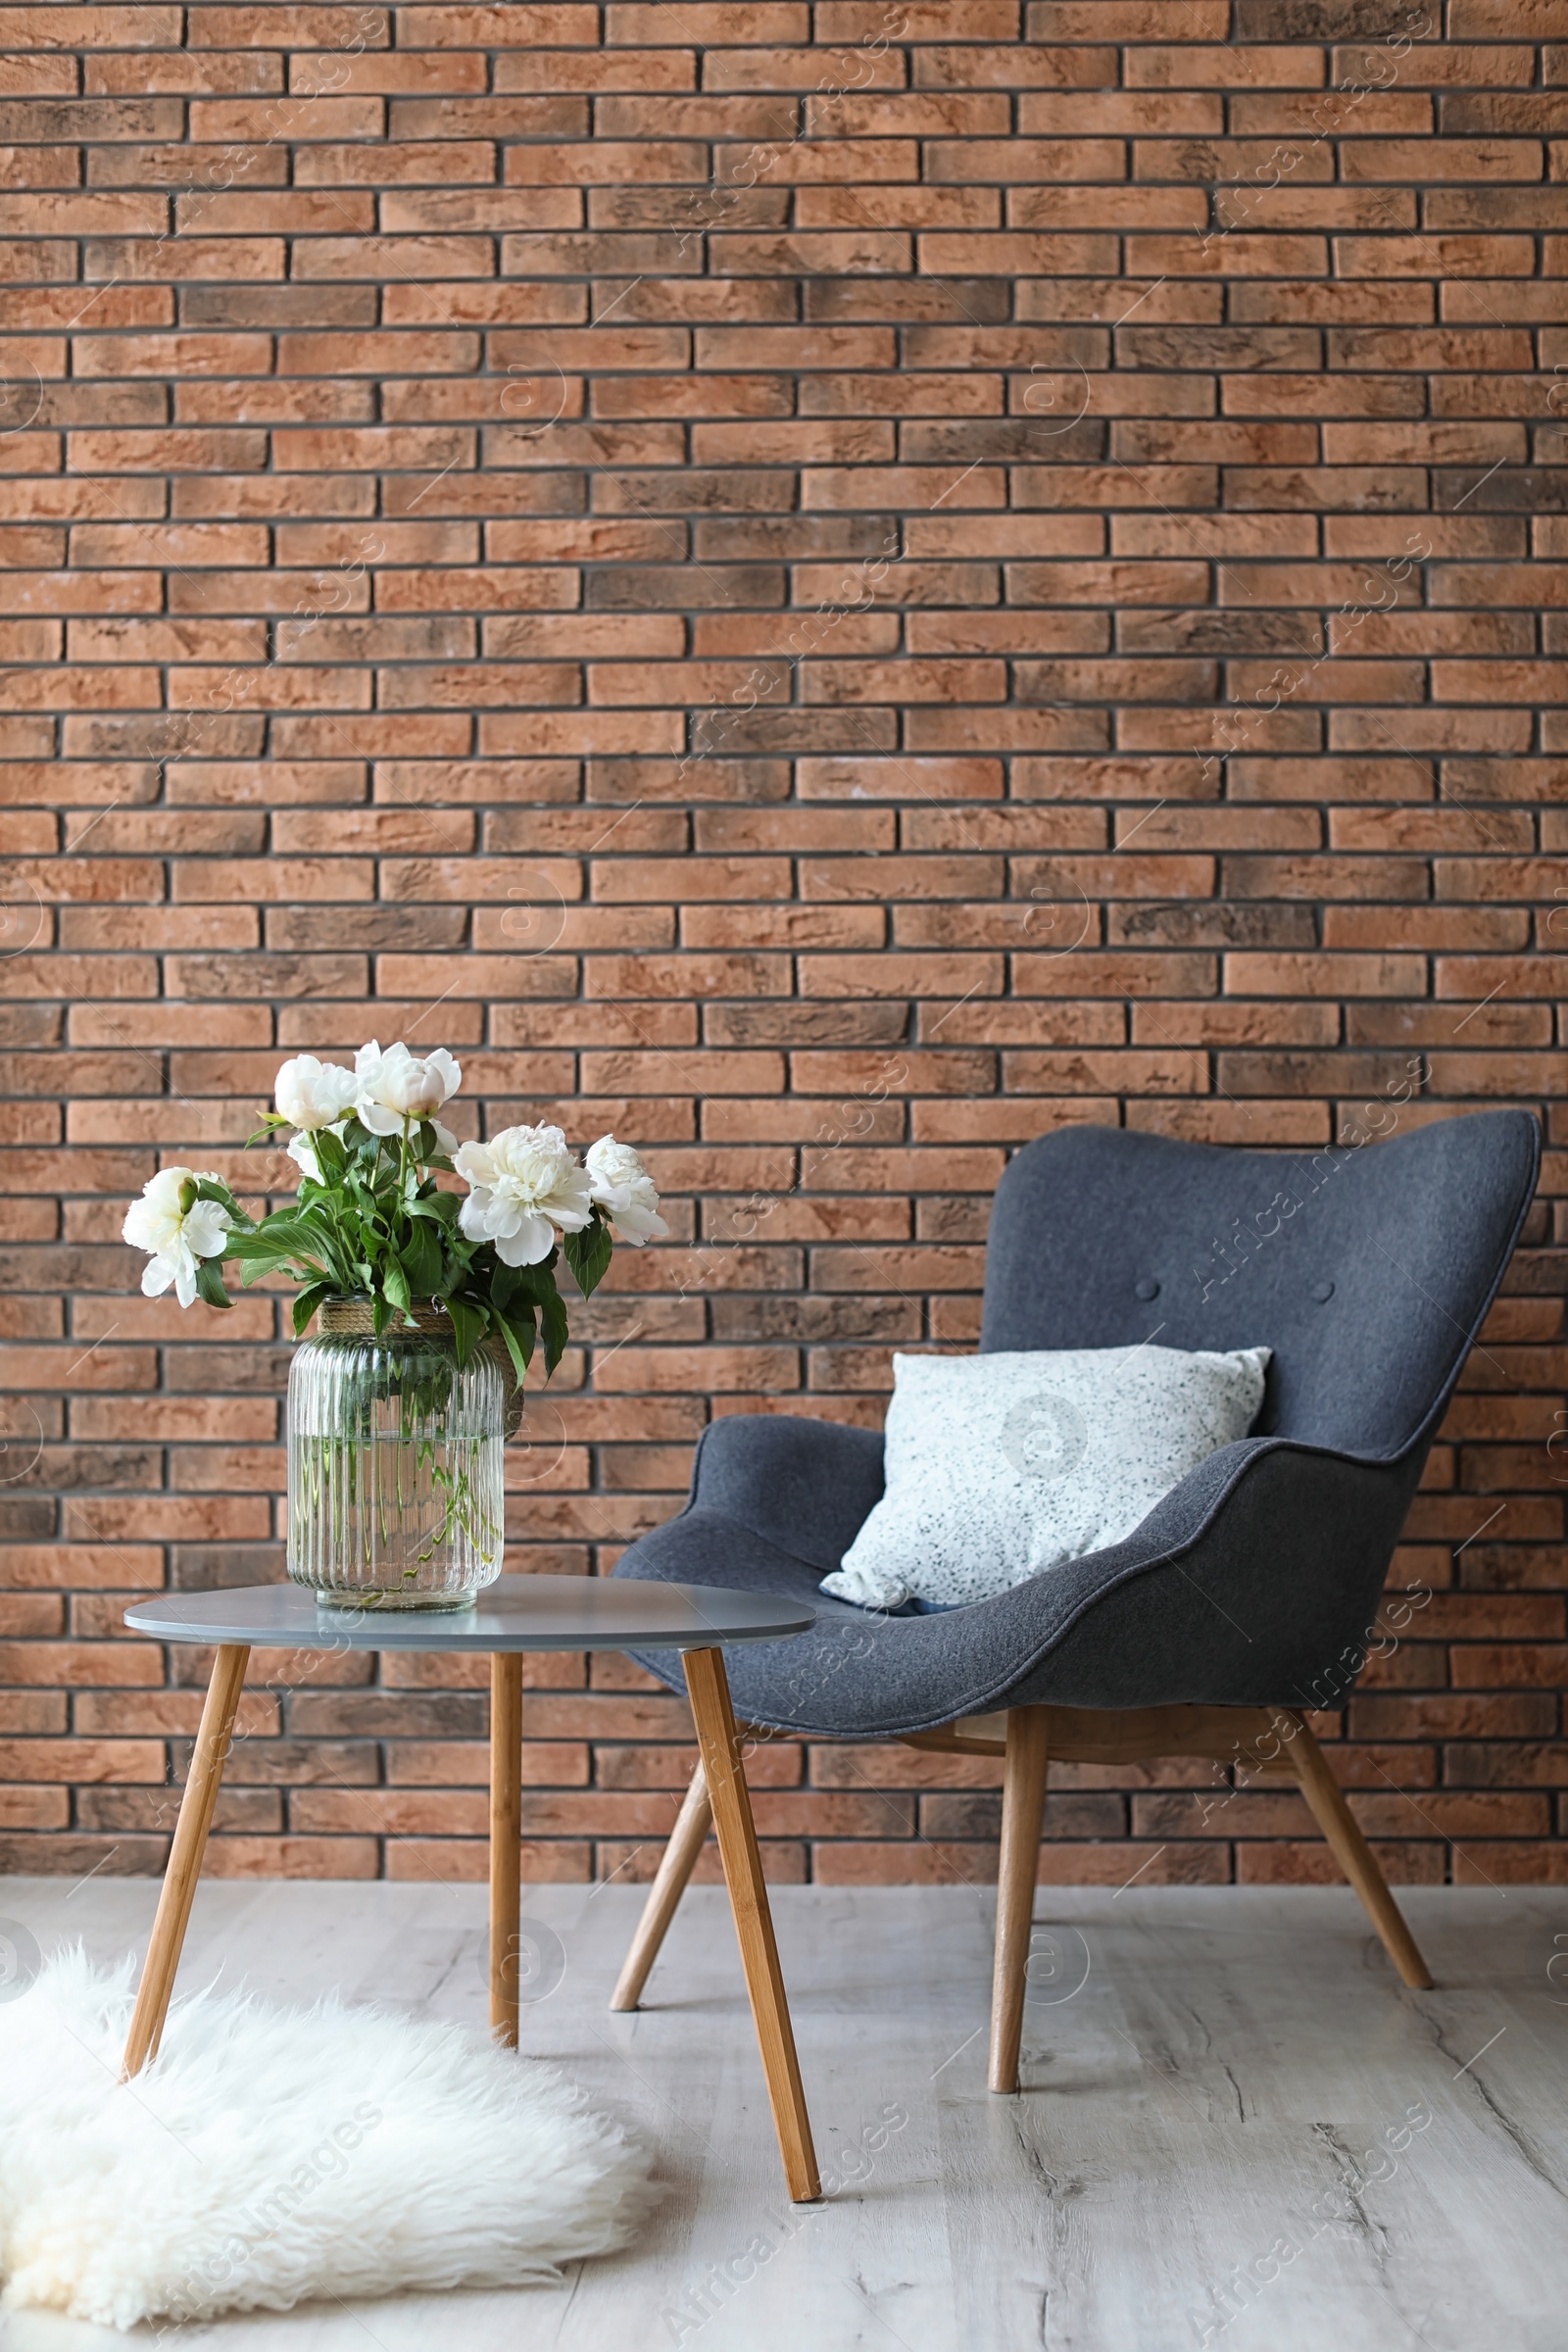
[
  {"x": 178, "y": 1229},
  {"x": 311, "y": 1094},
  {"x": 397, "y": 1085},
  {"x": 625, "y": 1190},
  {"x": 527, "y": 1188}
]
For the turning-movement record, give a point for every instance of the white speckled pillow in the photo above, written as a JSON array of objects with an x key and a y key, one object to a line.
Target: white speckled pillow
[{"x": 999, "y": 1467}]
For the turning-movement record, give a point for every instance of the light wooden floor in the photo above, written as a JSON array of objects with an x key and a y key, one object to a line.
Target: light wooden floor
[{"x": 1231, "y": 2056}]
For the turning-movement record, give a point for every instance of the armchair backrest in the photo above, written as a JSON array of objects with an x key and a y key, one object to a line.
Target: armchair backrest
[{"x": 1368, "y": 1270}]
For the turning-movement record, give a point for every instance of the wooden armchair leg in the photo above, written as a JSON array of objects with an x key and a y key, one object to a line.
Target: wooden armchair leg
[
  {"x": 1024, "y": 1804},
  {"x": 686, "y": 1842},
  {"x": 1355, "y": 1857}
]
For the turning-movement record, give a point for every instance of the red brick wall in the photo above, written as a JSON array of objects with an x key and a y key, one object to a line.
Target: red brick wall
[{"x": 831, "y": 588}]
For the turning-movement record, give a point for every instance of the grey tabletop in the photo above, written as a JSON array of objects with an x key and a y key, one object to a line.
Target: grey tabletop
[{"x": 516, "y": 1612}]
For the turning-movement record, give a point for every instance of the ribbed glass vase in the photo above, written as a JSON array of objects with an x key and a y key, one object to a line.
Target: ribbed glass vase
[{"x": 394, "y": 1463}]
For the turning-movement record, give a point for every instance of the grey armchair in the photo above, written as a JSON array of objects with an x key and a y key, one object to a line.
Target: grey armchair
[{"x": 1248, "y": 1595}]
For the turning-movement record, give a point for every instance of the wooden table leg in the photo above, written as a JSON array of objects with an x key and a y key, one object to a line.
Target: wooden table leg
[
  {"x": 506, "y": 1833},
  {"x": 679, "y": 1859},
  {"x": 186, "y": 1858},
  {"x": 707, "y": 1687}
]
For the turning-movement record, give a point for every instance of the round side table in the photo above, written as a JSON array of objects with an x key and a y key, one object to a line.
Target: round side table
[{"x": 514, "y": 1614}]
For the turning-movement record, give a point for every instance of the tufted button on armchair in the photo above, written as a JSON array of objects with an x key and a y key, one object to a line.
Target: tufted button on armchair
[{"x": 1248, "y": 1595}]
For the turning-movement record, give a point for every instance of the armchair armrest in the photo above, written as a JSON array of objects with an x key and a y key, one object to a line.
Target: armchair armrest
[
  {"x": 804, "y": 1485},
  {"x": 1249, "y": 1583}
]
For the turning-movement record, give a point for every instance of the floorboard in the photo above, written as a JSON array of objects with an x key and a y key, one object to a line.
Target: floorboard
[{"x": 1236, "y": 2127}]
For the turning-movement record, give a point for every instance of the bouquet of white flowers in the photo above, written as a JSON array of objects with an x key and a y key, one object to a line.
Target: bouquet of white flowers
[{"x": 372, "y": 1223}]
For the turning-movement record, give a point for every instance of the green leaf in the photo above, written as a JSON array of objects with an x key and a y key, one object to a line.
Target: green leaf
[
  {"x": 256, "y": 1247},
  {"x": 442, "y": 1208},
  {"x": 380, "y": 1312},
  {"x": 209, "y": 1282},
  {"x": 395, "y": 1283},
  {"x": 468, "y": 1325},
  {"x": 421, "y": 1259},
  {"x": 275, "y": 1237},
  {"x": 588, "y": 1255},
  {"x": 330, "y": 1156},
  {"x": 518, "y": 1334},
  {"x": 535, "y": 1284},
  {"x": 552, "y": 1315},
  {"x": 254, "y": 1263},
  {"x": 250, "y": 1276},
  {"x": 306, "y": 1305}
]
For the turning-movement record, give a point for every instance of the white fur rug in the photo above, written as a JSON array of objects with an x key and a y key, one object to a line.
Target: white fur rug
[{"x": 269, "y": 2155}]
